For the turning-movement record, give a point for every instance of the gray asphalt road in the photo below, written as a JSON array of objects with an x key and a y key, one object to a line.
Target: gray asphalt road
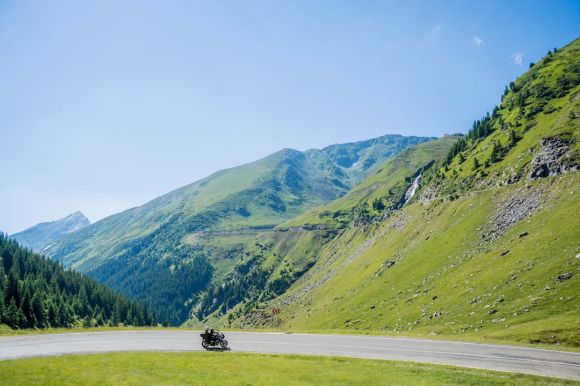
[{"x": 483, "y": 356}]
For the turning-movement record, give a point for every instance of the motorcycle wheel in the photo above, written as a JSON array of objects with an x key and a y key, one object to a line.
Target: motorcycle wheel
[
  {"x": 223, "y": 343},
  {"x": 205, "y": 345}
]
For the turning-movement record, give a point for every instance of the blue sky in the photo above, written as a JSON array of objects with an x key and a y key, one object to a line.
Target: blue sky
[{"x": 107, "y": 104}]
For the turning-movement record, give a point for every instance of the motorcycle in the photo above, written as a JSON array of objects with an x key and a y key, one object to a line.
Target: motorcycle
[{"x": 217, "y": 339}]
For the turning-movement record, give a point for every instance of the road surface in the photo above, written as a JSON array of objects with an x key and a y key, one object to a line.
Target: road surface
[{"x": 482, "y": 356}]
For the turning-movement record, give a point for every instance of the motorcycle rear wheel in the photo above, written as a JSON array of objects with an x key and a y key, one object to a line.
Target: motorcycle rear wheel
[{"x": 205, "y": 344}]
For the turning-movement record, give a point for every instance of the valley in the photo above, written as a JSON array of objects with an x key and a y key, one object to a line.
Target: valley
[
  {"x": 457, "y": 236},
  {"x": 172, "y": 251}
]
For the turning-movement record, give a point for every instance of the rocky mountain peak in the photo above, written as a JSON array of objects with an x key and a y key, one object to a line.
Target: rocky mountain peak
[{"x": 44, "y": 234}]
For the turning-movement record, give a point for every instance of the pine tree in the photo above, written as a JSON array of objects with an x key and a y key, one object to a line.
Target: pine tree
[
  {"x": 378, "y": 204},
  {"x": 26, "y": 307},
  {"x": 513, "y": 138},
  {"x": 116, "y": 315},
  {"x": 129, "y": 317},
  {"x": 3, "y": 282},
  {"x": 20, "y": 319},
  {"x": 38, "y": 311},
  {"x": 13, "y": 288},
  {"x": 11, "y": 314},
  {"x": 52, "y": 315},
  {"x": 2, "y": 307},
  {"x": 495, "y": 152},
  {"x": 475, "y": 163}
]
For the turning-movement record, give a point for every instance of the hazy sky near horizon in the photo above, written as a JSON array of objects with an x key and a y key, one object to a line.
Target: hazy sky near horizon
[{"x": 105, "y": 105}]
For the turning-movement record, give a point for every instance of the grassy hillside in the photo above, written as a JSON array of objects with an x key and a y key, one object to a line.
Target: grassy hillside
[
  {"x": 485, "y": 248},
  {"x": 170, "y": 250},
  {"x": 269, "y": 263},
  {"x": 428, "y": 272}
]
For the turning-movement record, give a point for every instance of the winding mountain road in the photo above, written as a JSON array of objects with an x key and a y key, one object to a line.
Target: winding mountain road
[{"x": 482, "y": 356}]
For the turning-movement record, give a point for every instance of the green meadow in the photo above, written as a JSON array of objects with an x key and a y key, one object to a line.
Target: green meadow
[{"x": 244, "y": 369}]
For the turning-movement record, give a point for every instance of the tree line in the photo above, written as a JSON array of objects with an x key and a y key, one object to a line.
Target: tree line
[
  {"x": 529, "y": 95},
  {"x": 36, "y": 292}
]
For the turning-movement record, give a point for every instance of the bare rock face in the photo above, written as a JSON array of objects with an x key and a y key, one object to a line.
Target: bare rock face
[
  {"x": 550, "y": 159},
  {"x": 428, "y": 194},
  {"x": 521, "y": 204}
]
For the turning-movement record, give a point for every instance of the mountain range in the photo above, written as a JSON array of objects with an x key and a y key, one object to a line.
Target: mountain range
[
  {"x": 471, "y": 234},
  {"x": 172, "y": 249},
  {"x": 482, "y": 243}
]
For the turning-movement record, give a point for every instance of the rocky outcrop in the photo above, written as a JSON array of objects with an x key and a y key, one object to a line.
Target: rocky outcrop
[
  {"x": 564, "y": 276},
  {"x": 522, "y": 203},
  {"x": 550, "y": 160},
  {"x": 429, "y": 194}
]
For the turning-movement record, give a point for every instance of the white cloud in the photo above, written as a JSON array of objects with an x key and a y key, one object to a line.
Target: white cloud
[
  {"x": 518, "y": 58},
  {"x": 477, "y": 40},
  {"x": 438, "y": 27}
]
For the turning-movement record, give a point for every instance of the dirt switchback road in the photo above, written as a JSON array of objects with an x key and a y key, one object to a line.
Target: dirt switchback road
[{"x": 482, "y": 356}]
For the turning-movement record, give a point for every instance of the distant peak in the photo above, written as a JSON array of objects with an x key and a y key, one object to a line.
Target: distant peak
[
  {"x": 286, "y": 154},
  {"x": 44, "y": 234},
  {"x": 288, "y": 150},
  {"x": 78, "y": 215}
]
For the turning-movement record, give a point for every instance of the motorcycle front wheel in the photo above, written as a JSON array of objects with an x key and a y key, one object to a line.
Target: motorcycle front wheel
[{"x": 224, "y": 343}]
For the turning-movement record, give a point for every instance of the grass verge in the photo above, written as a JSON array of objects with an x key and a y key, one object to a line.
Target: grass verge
[{"x": 245, "y": 369}]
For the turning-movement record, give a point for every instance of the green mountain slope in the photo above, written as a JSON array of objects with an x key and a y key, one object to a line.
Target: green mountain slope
[
  {"x": 38, "y": 293},
  {"x": 267, "y": 264},
  {"x": 168, "y": 251},
  {"x": 486, "y": 246},
  {"x": 44, "y": 234},
  {"x": 384, "y": 187}
]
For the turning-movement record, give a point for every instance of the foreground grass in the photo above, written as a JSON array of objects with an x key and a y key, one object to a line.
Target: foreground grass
[{"x": 244, "y": 369}]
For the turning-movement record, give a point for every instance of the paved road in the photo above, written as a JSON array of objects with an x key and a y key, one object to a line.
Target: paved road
[{"x": 483, "y": 356}]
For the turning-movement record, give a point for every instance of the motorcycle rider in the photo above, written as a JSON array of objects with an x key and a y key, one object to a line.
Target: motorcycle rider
[
  {"x": 205, "y": 334},
  {"x": 211, "y": 337},
  {"x": 208, "y": 334}
]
